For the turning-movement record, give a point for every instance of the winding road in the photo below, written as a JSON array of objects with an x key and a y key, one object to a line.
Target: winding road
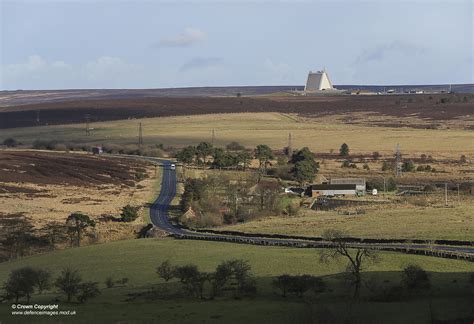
[{"x": 160, "y": 218}]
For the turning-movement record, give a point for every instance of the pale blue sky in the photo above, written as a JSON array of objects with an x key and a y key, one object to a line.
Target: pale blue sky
[{"x": 156, "y": 44}]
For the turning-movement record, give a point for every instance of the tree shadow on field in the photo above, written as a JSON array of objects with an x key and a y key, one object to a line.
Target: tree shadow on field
[{"x": 383, "y": 299}]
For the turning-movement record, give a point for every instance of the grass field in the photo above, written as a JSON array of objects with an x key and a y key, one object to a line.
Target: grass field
[
  {"x": 388, "y": 216},
  {"x": 320, "y": 134},
  {"x": 386, "y": 221},
  {"x": 137, "y": 260}
]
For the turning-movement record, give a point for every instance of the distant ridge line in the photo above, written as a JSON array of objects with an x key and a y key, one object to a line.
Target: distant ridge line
[{"x": 24, "y": 97}]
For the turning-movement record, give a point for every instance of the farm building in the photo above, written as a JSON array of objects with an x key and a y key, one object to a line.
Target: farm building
[
  {"x": 316, "y": 190},
  {"x": 360, "y": 183},
  {"x": 318, "y": 81}
]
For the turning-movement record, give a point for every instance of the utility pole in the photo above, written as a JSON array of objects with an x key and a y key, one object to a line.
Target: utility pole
[
  {"x": 384, "y": 187},
  {"x": 87, "y": 118},
  {"x": 290, "y": 146},
  {"x": 213, "y": 136},
  {"x": 398, "y": 161},
  {"x": 37, "y": 118},
  {"x": 446, "y": 194},
  {"x": 140, "y": 134}
]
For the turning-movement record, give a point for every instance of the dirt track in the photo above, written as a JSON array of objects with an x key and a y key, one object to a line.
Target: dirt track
[{"x": 431, "y": 107}]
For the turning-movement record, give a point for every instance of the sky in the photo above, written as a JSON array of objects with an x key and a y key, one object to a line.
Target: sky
[{"x": 160, "y": 44}]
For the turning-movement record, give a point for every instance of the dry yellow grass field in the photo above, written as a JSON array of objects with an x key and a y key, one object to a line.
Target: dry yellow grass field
[
  {"x": 43, "y": 203},
  {"x": 320, "y": 134}
]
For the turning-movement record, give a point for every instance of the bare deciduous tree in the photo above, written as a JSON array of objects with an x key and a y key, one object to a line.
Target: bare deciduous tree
[{"x": 357, "y": 257}]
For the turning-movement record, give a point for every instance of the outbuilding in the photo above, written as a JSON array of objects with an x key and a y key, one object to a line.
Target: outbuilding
[
  {"x": 360, "y": 183},
  {"x": 331, "y": 190}
]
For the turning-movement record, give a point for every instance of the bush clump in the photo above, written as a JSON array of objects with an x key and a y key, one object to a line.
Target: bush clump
[
  {"x": 10, "y": 142},
  {"x": 129, "y": 213}
]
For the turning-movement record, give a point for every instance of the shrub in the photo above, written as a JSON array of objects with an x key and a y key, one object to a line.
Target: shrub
[
  {"x": 109, "y": 282},
  {"x": 87, "y": 290},
  {"x": 466, "y": 186},
  {"x": 166, "y": 271},
  {"x": 366, "y": 166},
  {"x": 391, "y": 184},
  {"x": 10, "y": 142},
  {"x": 345, "y": 164},
  {"x": 408, "y": 166},
  {"x": 387, "y": 166},
  {"x": 139, "y": 175},
  {"x": 375, "y": 155},
  {"x": 44, "y": 145},
  {"x": 235, "y": 146},
  {"x": 129, "y": 213},
  {"x": 463, "y": 159},
  {"x": 415, "y": 278},
  {"x": 429, "y": 188}
]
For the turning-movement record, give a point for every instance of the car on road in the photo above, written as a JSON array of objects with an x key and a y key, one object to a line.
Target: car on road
[{"x": 173, "y": 166}]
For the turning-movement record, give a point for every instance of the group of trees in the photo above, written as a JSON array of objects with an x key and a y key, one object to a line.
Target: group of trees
[
  {"x": 218, "y": 198},
  {"x": 234, "y": 157},
  {"x": 305, "y": 166},
  {"x": 78, "y": 225},
  {"x": 245, "y": 197},
  {"x": 24, "y": 282},
  {"x": 18, "y": 236},
  {"x": 230, "y": 276},
  {"x": 234, "y": 276}
]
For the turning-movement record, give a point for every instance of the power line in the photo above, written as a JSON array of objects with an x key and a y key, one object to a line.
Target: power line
[
  {"x": 140, "y": 134},
  {"x": 398, "y": 161}
]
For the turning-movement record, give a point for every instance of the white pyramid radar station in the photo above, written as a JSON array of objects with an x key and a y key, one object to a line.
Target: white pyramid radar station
[{"x": 318, "y": 81}]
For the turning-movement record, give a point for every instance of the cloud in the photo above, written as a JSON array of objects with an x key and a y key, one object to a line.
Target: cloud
[
  {"x": 39, "y": 73},
  {"x": 186, "y": 38},
  {"x": 383, "y": 51},
  {"x": 200, "y": 62},
  {"x": 34, "y": 64}
]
